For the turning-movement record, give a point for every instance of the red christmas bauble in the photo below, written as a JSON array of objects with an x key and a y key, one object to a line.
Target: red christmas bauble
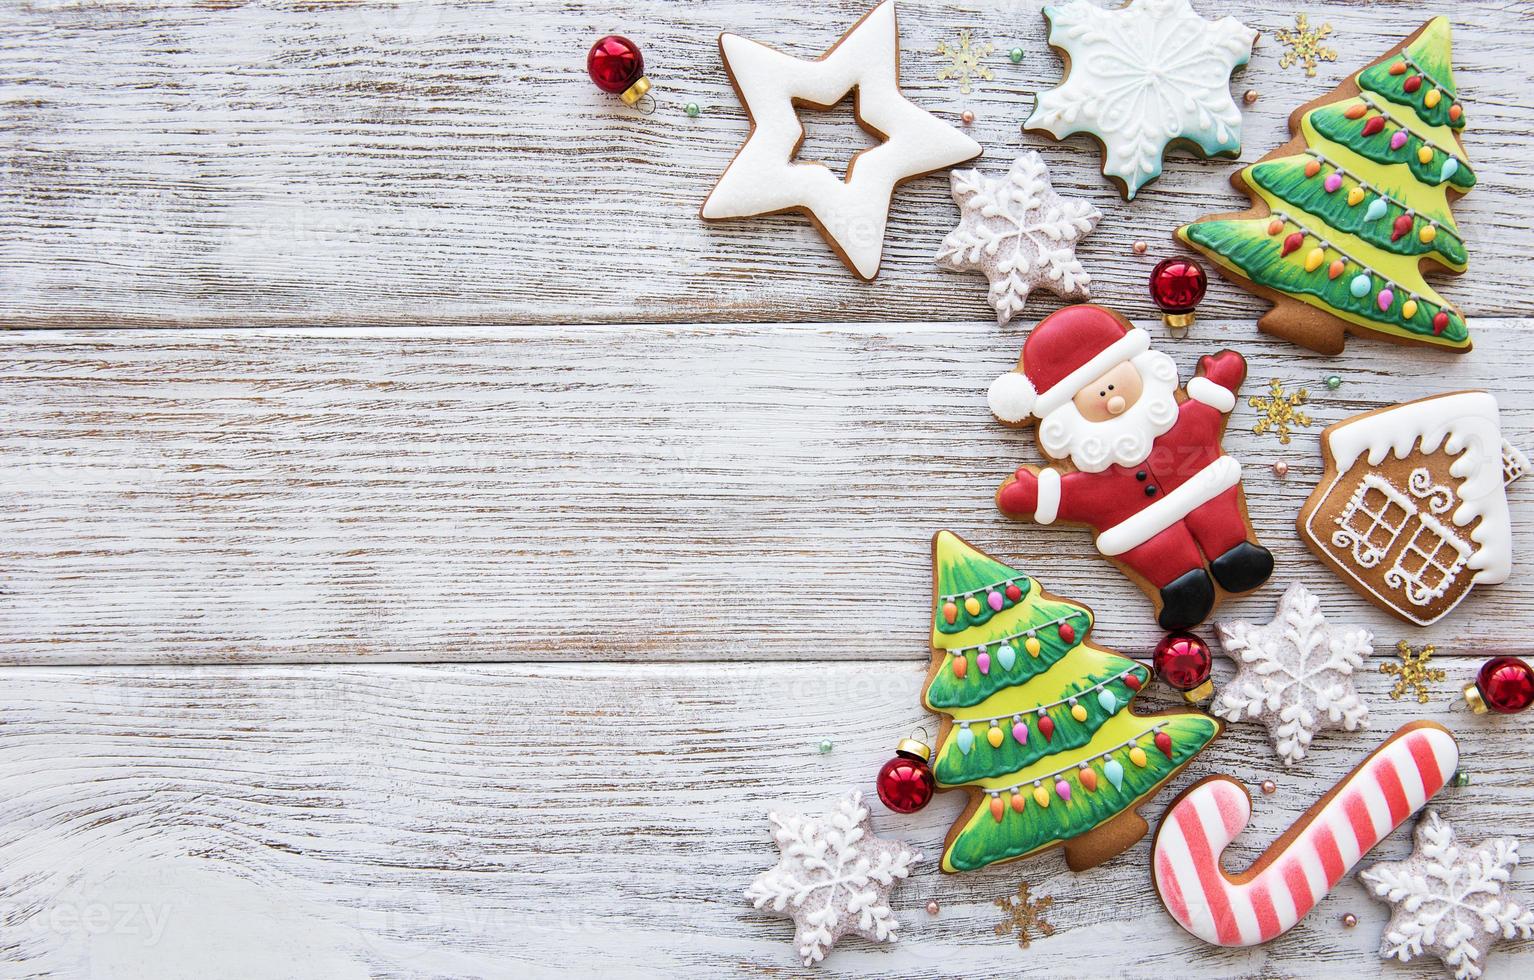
[
  {"x": 1177, "y": 285},
  {"x": 906, "y": 783},
  {"x": 616, "y": 65},
  {"x": 1183, "y": 661},
  {"x": 1504, "y": 685}
]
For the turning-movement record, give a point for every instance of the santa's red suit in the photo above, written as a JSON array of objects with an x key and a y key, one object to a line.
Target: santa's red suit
[{"x": 1168, "y": 516}]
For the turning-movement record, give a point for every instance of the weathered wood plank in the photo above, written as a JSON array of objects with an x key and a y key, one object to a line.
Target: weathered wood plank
[
  {"x": 232, "y": 164},
  {"x": 694, "y": 493},
  {"x": 485, "y": 821}
]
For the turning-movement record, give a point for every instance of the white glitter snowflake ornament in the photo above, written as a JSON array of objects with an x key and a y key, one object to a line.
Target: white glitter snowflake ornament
[
  {"x": 1020, "y": 233},
  {"x": 1140, "y": 77},
  {"x": 1448, "y": 899},
  {"x": 834, "y": 877},
  {"x": 1295, "y": 674}
]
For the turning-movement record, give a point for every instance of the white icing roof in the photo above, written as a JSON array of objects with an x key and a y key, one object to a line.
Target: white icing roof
[{"x": 1466, "y": 425}]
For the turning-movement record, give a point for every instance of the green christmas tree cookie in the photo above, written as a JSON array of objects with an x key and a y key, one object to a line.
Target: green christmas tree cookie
[
  {"x": 1039, "y": 730},
  {"x": 1347, "y": 214}
]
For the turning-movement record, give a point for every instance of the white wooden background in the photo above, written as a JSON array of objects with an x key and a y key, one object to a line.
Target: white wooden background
[{"x": 428, "y": 549}]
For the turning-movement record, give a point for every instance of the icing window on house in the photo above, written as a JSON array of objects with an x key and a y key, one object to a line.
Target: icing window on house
[
  {"x": 1429, "y": 577},
  {"x": 1373, "y": 520},
  {"x": 1514, "y": 463}
]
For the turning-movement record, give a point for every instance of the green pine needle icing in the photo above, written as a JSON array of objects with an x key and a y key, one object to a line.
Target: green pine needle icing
[
  {"x": 966, "y": 574},
  {"x": 1331, "y": 123},
  {"x": 1246, "y": 244},
  {"x": 1286, "y": 178},
  {"x": 954, "y": 767},
  {"x": 1431, "y": 52},
  {"x": 985, "y": 841},
  {"x": 948, "y": 691}
]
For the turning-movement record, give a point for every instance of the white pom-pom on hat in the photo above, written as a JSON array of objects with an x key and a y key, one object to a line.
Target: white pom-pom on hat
[{"x": 1012, "y": 397}]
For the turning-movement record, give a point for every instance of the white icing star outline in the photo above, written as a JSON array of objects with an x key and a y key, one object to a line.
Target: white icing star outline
[
  {"x": 765, "y": 177},
  {"x": 1141, "y": 77}
]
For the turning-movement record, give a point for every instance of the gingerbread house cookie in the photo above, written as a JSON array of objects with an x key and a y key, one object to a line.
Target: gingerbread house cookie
[{"x": 1412, "y": 510}]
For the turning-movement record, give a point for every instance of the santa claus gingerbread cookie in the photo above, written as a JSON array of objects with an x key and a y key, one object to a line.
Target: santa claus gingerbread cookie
[{"x": 1137, "y": 458}]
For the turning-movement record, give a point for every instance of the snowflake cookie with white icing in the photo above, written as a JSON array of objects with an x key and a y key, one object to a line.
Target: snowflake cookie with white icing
[
  {"x": 1019, "y": 233},
  {"x": 1295, "y": 674},
  {"x": 1449, "y": 899},
  {"x": 1141, "y": 77},
  {"x": 834, "y": 877},
  {"x": 766, "y": 176}
]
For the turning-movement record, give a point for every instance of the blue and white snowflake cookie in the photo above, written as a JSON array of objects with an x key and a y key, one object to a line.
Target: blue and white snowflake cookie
[{"x": 1141, "y": 77}]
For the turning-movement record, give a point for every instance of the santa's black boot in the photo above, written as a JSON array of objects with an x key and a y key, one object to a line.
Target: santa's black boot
[
  {"x": 1243, "y": 568},
  {"x": 1186, "y": 601}
]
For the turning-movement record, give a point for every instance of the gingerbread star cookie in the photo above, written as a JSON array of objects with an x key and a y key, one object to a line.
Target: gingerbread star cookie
[
  {"x": 1141, "y": 77},
  {"x": 765, "y": 177}
]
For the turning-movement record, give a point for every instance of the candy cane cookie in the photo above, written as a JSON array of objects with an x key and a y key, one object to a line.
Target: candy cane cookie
[{"x": 1269, "y": 898}]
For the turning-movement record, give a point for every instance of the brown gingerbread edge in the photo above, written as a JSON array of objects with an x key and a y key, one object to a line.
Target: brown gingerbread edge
[
  {"x": 1291, "y": 319},
  {"x": 1320, "y": 491},
  {"x": 1065, "y": 466},
  {"x": 857, "y": 115},
  {"x": 1108, "y": 839},
  {"x": 1179, "y": 143},
  {"x": 1276, "y": 849}
]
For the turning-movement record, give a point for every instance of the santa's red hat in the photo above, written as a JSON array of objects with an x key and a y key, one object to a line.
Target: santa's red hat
[{"x": 1068, "y": 350}]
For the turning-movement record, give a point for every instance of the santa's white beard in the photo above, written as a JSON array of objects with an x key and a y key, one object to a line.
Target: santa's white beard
[{"x": 1126, "y": 439}]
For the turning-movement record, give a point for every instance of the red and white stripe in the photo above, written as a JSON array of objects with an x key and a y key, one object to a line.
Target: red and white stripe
[{"x": 1393, "y": 783}]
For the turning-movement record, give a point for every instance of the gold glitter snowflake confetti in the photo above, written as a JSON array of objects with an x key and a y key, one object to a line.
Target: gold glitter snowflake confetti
[
  {"x": 1304, "y": 44},
  {"x": 1412, "y": 673},
  {"x": 1025, "y": 916},
  {"x": 1279, "y": 411},
  {"x": 964, "y": 61}
]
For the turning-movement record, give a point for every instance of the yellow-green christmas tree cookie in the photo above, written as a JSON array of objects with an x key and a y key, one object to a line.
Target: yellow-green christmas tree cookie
[
  {"x": 1039, "y": 729},
  {"x": 1346, "y": 215}
]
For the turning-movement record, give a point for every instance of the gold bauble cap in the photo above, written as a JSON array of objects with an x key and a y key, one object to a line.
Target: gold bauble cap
[
  {"x": 1199, "y": 693},
  {"x": 1474, "y": 699},
  {"x": 635, "y": 92},
  {"x": 912, "y": 747}
]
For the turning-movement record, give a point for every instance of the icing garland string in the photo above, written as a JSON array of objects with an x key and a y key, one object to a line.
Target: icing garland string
[
  {"x": 1368, "y": 100},
  {"x": 1369, "y": 188},
  {"x": 984, "y": 588},
  {"x": 1017, "y": 716},
  {"x": 1456, "y": 104},
  {"x": 1364, "y": 281},
  {"x": 1407, "y": 59},
  {"x": 1031, "y": 632},
  {"x": 1088, "y": 777}
]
